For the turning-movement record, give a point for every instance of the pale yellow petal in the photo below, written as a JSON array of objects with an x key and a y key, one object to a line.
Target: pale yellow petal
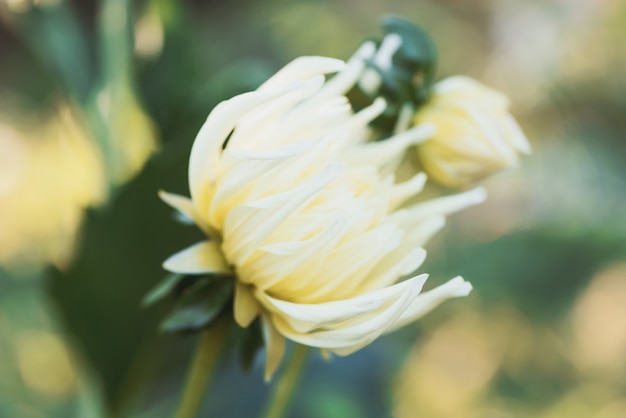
[
  {"x": 302, "y": 68},
  {"x": 352, "y": 263},
  {"x": 203, "y": 257},
  {"x": 401, "y": 192},
  {"x": 246, "y": 307},
  {"x": 427, "y": 301},
  {"x": 382, "y": 152},
  {"x": 186, "y": 208},
  {"x": 288, "y": 259},
  {"x": 359, "y": 331},
  {"x": 204, "y": 158},
  {"x": 358, "y": 123},
  {"x": 182, "y": 204},
  {"x": 262, "y": 128},
  {"x": 448, "y": 204},
  {"x": 343, "y": 81},
  {"x": 516, "y": 135},
  {"x": 274, "y": 347},
  {"x": 491, "y": 134},
  {"x": 422, "y": 231},
  {"x": 247, "y": 226},
  {"x": 397, "y": 264},
  {"x": 246, "y": 169}
]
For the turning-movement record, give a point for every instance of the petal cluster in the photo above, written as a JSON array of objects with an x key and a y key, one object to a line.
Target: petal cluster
[
  {"x": 476, "y": 135},
  {"x": 303, "y": 208}
]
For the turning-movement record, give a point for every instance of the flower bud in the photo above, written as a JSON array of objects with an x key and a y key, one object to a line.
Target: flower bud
[{"x": 476, "y": 135}]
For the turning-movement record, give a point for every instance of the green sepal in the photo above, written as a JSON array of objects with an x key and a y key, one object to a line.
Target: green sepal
[
  {"x": 414, "y": 65},
  {"x": 199, "y": 301},
  {"x": 163, "y": 289},
  {"x": 182, "y": 218},
  {"x": 251, "y": 343},
  {"x": 408, "y": 79}
]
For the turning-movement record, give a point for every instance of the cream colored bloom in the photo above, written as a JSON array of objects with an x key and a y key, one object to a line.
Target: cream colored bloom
[
  {"x": 476, "y": 135},
  {"x": 307, "y": 215}
]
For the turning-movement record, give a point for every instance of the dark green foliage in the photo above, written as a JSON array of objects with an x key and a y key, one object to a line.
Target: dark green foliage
[
  {"x": 251, "y": 343},
  {"x": 409, "y": 78},
  {"x": 162, "y": 290},
  {"x": 414, "y": 64},
  {"x": 198, "y": 300}
]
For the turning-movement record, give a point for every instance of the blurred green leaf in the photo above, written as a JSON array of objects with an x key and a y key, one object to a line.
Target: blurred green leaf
[
  {"x": 56, "y": 37},
  {"x": 162, "y": 289},
  {"x": 199, "y": 305}
]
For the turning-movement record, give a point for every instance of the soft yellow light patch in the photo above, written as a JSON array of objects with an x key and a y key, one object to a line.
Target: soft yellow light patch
[{"x": 45, "y": 364}]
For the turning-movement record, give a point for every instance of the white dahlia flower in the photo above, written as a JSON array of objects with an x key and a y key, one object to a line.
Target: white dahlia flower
[
  {"x": 476, "y": 135},
  {"x": 304, "y": 212}
]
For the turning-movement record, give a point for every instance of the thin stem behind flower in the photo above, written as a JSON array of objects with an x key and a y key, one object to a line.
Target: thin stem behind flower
[
  {"x": 284, "y": 389},
  {"x": 200, "y": 371}
]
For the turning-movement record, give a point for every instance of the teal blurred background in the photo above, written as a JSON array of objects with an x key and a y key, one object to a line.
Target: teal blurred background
[{"x": 99, "y": 105}]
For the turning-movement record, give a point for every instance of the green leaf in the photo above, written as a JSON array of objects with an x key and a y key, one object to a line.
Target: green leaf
[
  {"x": 164, "y": 288},
  {"x": 199, "y": 304},
  {"x": 55, "y": 36}
]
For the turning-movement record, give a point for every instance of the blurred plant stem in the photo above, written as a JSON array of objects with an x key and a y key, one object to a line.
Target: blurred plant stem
[
  {"x": 284, "y": 389},
  {"x": 200, "y": 371}
]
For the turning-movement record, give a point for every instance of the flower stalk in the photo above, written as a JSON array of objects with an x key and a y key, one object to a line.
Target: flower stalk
[
  {"x": 200, "y": 371},
  {"x": 285, "y": 387}
]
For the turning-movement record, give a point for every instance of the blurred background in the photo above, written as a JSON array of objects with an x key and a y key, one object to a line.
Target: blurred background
[{"x": 99, "y": 104}]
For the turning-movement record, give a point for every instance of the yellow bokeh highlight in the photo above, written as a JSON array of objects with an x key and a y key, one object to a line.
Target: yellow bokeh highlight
[
  {"x": 453, "y": 374},
  {"x": 461, "y": 358},
  {"x": 597, "y": 321},
  {"x": 52, "y": 168},
  {"x": 54, "y": 172},
  {"x": 149, "y": 35},
  {"x": 45, "y": 364}
]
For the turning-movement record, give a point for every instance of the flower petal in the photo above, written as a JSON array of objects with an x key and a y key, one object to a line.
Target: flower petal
[
  {"x": 359, "y": 123},
  {"x": 203, "y": 257},
  {"x": 382, "y": 152},
  {"x": 427, "y": 301},
  {"x": 243, "y": 168},
  {"x": 262, "y": 128},
  {"x": 392, "y": 267},
  {"x": 352, "y": 262},
  {"x": 247, "y": 226},
  {"x": 204, "y": 158},
  {"x": 182, "y": 204},
  {"x": 401, "y": 192},
  {"x": 302, "y": 68},
  {"x": 337, "y": 332},
  {"x": 343, "y": 81},
  {"x": 421, "y": 232},
  {"x": 305, "y": 317},
  {"x": 448, "y": 204},
  {"x": 246, "y": 307},
  {"x": 274, "y": 347},
  {"x": 516, "y": 135},
  {"x": 185, "y": 206}
]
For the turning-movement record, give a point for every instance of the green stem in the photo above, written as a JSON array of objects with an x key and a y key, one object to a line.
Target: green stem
[
  {"x": 208, "y": 350},
  {"x": 284, "y": 389}
]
